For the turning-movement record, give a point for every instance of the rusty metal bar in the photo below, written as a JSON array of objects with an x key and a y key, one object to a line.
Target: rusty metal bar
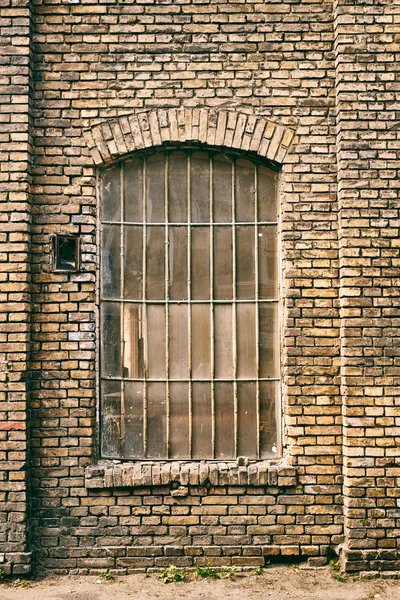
[
  {"x": 212, "y": 325},
  {"x": 127, "y": 301},
  {"x": 144, "y": 309},
  {"x": 256, "y": 283},
  {"x": 172, "y": 223},
  {"x": 175, "y": 380},
  {"x": 189, "y": 305},
  {"x": 166, "y": 256},
  {"x": 122, "y": 315},
  {"x": 234, "y": 316}
]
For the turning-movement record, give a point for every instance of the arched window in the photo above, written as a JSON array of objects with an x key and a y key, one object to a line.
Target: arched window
[{"x": 189, "y": 307}]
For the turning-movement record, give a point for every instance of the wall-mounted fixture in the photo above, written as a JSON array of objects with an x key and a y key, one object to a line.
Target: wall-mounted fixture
[{"x": 65, "y": 252}]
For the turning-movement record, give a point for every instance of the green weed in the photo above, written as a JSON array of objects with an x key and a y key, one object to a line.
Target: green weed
[
  {"x": 230, "y": 571},
  {"x": 207, "y": 572},
  {"x": 172, "y": 574},
  {"x": 334, "y": 565},
  {"x": 19, "y": 583}
]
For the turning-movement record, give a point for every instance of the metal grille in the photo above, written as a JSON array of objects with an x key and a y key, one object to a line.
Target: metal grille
[{"x": 189, "y": 298}]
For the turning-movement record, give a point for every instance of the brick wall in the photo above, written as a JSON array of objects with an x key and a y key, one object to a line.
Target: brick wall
[
  {"x": 368, "y": 167},
  {"x": 317, "y": 68},
  {"x": 15, "y": 205}
]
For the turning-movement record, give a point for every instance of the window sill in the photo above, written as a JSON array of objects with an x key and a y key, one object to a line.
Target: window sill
[{"x": 110, "y": 474}]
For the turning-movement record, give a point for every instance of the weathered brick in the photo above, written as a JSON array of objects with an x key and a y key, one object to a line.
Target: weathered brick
[{"x": 314, "y": 97}]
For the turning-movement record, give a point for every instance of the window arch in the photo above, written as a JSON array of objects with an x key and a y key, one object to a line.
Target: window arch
[{"x": 189, "y": 307}]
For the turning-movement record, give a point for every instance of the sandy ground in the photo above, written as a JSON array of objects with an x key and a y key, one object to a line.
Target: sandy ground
[{"x": 279, "y": 583}]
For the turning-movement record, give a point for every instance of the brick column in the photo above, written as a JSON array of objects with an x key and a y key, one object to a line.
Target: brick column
[
  {"x": 15, "y": 148},
  {"x": 366, "y": 43}
]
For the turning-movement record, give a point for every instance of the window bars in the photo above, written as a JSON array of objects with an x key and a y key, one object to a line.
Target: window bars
[{"x": 189, "y": 299}]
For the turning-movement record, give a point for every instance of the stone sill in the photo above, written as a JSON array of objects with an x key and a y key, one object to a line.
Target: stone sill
[{"x": 114, "y": 474}]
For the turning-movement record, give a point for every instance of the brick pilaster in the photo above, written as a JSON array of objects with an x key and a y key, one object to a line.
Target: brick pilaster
[
  {"x": 16, "y": 153},
  {"x": 366, "y": 48}
]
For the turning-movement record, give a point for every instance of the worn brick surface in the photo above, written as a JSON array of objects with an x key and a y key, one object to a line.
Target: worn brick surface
[
  {"x": 368, "y": 159},
  {"x": 15, "y": 199},
  {"x": 308, "y": 85},
  {"x": 111, "y": 79}
]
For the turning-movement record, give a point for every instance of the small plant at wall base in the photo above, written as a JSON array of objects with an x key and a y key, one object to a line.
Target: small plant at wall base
[
  {"x": 20, "y": 583},
  {"x": 334, "y": 566},
  {"x": 172, "y": 574},
  {"x": 207, "y": 572},
  {"x": 230, "y": 571}
]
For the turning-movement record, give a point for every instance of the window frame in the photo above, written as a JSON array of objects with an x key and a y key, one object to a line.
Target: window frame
[{"x": 257, "y": 160}]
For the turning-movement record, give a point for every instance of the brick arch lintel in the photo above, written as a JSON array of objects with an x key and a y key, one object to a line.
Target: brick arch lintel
[{"x": 114, "y": 138}]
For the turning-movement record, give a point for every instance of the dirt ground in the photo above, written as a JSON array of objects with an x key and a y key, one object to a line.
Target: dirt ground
[{"x": 279, "y": 583}]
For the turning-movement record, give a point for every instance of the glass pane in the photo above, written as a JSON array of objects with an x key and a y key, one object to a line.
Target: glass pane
[
  {"x": 155, "y": 189},
  {"x": 247, "y": 419},
  {"x": 133, "y": 342},
  {"x": 224, "y": 421},
  {"x": 155, "y": 263},
  {"x": 133, "y": 190},
  {"x": 179, "y": 420},
  {"x": 110, "y": 419},
  {"x": 245, "y": 190},
  {"x": 131, "y": 364},
  {"x": 134, "y": 419},
  {"x": 246, "y": 341},
  {"x": 269, "y": 340},
  {"x": 156, "y": 341},
  {"x": 133, "y": 262},
  {"x": 177, "y": 254},
  {"x": 245, "y": 263},
  {"x": 267, "y": 260},
  {"x": 178, "y": 341},
  {"x": 111, "y": 261},
  {"x": 222, "y": 189},
  {"x": 200, "y": 187},
  {"x": 223, "y": 266},
  {"x": 156, "y": 421},
  {"x": 202, "y": 420},
  {"x": 201, "y": 341},
  {"x": 111, "y": 339},
  {"x": 111, "y": 194},
  {"x": 223, "y": 341},
  {"x": 177, "y": 188},
  {"x": 267, "y": 194},
  {"x": 268, "y": 412},
  {"x": 200, "y": 278}
]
